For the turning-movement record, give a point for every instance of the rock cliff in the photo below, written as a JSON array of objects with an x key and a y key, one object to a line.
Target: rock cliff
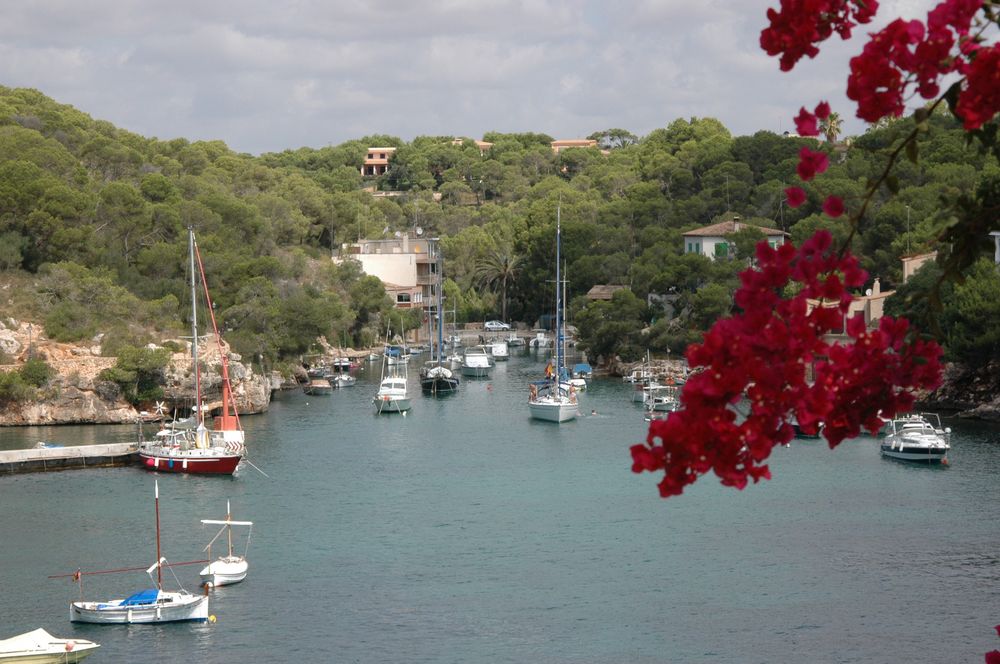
[{"x": 76, "y": 395}]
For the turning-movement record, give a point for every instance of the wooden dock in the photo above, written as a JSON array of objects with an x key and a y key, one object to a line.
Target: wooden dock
[{"x": 47, "y": 459}]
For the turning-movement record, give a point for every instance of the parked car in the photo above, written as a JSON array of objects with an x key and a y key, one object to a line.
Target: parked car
[{"x": 496, "y": 325}]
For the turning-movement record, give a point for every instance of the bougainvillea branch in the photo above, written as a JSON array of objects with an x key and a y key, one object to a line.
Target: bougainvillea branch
[{"x": 769, "y": 366}]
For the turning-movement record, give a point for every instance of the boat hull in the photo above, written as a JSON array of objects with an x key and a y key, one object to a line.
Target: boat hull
[
  {"x": 187, "y": 462},
  {"x": 40, "y": 647},
  {"x": 475, "y": 372},
  {"x": 553, "y": 410},
  {"x": 439, "y": 385},
  {"x": 391, "y": 404},
  {"x": 915, "y": 454},
  {"x": 172, "y": 607},
  {"x": 224, "y": 572}
]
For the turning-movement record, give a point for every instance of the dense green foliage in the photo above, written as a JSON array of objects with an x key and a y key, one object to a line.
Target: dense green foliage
[
  {"x": 138, "y": 372},
  {"x": 21, "y": 385},
  {"x": 99, "y": 215}
]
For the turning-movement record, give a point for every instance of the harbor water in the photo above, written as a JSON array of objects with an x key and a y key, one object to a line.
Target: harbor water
[{"x": 464, "y": 531}]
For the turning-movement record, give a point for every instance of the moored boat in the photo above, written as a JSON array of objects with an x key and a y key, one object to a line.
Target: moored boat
[
  {"x": 917, "y": 437},
  {"x": 218, "y": 451},
  {"x": 152, "y": 605},
  {"x": 476, "y": 362},
  {"x": 230, "y": 568},
  {"x": 552, "y": 400},
  {"x": 40, "y": 647}
]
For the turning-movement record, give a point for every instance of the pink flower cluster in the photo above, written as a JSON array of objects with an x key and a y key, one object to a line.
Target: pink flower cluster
[
  {"x": 801, "y": 24},
  {"x": 774, "y": 358}
]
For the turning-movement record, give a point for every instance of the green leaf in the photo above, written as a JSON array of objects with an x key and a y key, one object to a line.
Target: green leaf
[
  {"x": 911, "y": 151},
  {"x": 920, "y": 115},
  {"x": 892, "y": 184}
]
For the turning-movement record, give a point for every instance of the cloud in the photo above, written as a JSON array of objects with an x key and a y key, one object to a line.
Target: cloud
[{"x": 270, "y": 76}]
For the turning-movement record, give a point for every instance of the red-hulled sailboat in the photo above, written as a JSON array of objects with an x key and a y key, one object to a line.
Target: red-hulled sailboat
[{"x": 199, "y": 450}]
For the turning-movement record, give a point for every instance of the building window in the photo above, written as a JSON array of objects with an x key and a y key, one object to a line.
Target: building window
[{"x": 402, "y": 298}]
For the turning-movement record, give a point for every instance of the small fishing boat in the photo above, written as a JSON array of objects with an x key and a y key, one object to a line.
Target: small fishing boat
[
  {"x": 40, "y": 647},
  {"x": 153, "y": 605},
  {"x": 499, "y": 351},
  {"x": 231, "y": 568}
]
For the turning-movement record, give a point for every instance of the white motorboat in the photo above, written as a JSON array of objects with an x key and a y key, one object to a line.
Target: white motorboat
[
  {"x": 153, "y": 605},
  {"x": 40, "y": 647},
  {"x": 343, "y": 380},
  {"x": 917, "y": 437},
  {"x": 476, "y": 362},
  {"x": 662, "y": 398},
  {"x": 392, "y": 396},
  {"x": 515, "y": 341},
  {"x": 231, "y": 568},
  {"x": 499, "y": 351}
]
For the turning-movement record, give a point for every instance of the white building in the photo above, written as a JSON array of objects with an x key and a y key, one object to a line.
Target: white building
[{"x": 712, "y": 241}]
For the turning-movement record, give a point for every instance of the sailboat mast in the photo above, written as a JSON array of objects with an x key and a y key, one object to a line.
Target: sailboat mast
[
  {"x": 194, "y": 331},
  {"x": 229, "y": 529},
  {"x": 558, "y": 300},
  {"x": 159, "y": 568},
  {"x": 440, "y": 313}
]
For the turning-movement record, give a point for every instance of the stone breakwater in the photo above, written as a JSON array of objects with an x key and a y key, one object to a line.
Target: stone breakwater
[{"x": 76, "y": 395}]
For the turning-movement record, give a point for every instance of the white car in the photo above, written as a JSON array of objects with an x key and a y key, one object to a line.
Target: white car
[{"x": 495, "y": 325}]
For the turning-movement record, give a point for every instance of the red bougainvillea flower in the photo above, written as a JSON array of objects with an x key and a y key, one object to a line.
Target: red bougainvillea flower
[
  {"x": 796, "y": 196},
  {"x": 823, "y": 110},
  {"x": 736, "y": 407},
  {"x": 993, "y": 657},
  {"x": 799, "y": 25},
  {"x": 979, "y": 101},
  {"x": 833, "y": 206},
  {"x": 811, "y": 163},
  {"x": 805, "y": 123}
]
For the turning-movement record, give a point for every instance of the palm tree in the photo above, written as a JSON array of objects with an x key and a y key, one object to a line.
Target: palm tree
[
  {"x": 831, "y": 127},
  {"x": 496, "y": 271}
]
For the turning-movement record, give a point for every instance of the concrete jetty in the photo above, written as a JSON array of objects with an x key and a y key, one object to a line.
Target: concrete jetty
[{"x": 65, "y": 458}]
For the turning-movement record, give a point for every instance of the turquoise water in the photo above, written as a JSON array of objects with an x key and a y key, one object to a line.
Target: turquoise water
[{"x": 467, "y": 532}]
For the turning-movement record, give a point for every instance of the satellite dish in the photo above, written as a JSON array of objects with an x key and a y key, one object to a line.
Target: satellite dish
[
  {"x": 420, "y": 231},
  {"x": 868, "y": 292},
  {"x": 398, "y": 234}
]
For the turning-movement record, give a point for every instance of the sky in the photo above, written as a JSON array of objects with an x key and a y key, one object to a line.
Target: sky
[{"x": 270, "y": 76}]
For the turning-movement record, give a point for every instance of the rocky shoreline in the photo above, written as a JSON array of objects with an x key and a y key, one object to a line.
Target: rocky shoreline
[{"x": 76, "y": 395}]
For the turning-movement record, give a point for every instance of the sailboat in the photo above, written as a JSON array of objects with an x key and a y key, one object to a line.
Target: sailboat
[
  {"x": 153, "y": 605},
  {"x": 231, "y": 568},
  {"x": 198, "y": 450},
  {"x": 435, "y": 378},
  {"x": 392, "y": 396},
  {"x": 550, "y": 399}
]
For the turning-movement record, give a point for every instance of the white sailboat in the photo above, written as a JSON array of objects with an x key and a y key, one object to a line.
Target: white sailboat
[
  {"x": 153, "y": 605},
  {"x": 231, "y": 568},
  {"x": 549, "y": 400}
]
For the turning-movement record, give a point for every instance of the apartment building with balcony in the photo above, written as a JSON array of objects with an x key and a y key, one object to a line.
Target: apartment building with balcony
[{"x": 377, "y": 161}]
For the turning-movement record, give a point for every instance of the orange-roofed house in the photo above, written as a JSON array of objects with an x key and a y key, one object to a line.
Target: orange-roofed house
[
  {"x": 712, "y": 241},
  {"x": 377, "y": 161},
  {"x": 566, "y": 143}
]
